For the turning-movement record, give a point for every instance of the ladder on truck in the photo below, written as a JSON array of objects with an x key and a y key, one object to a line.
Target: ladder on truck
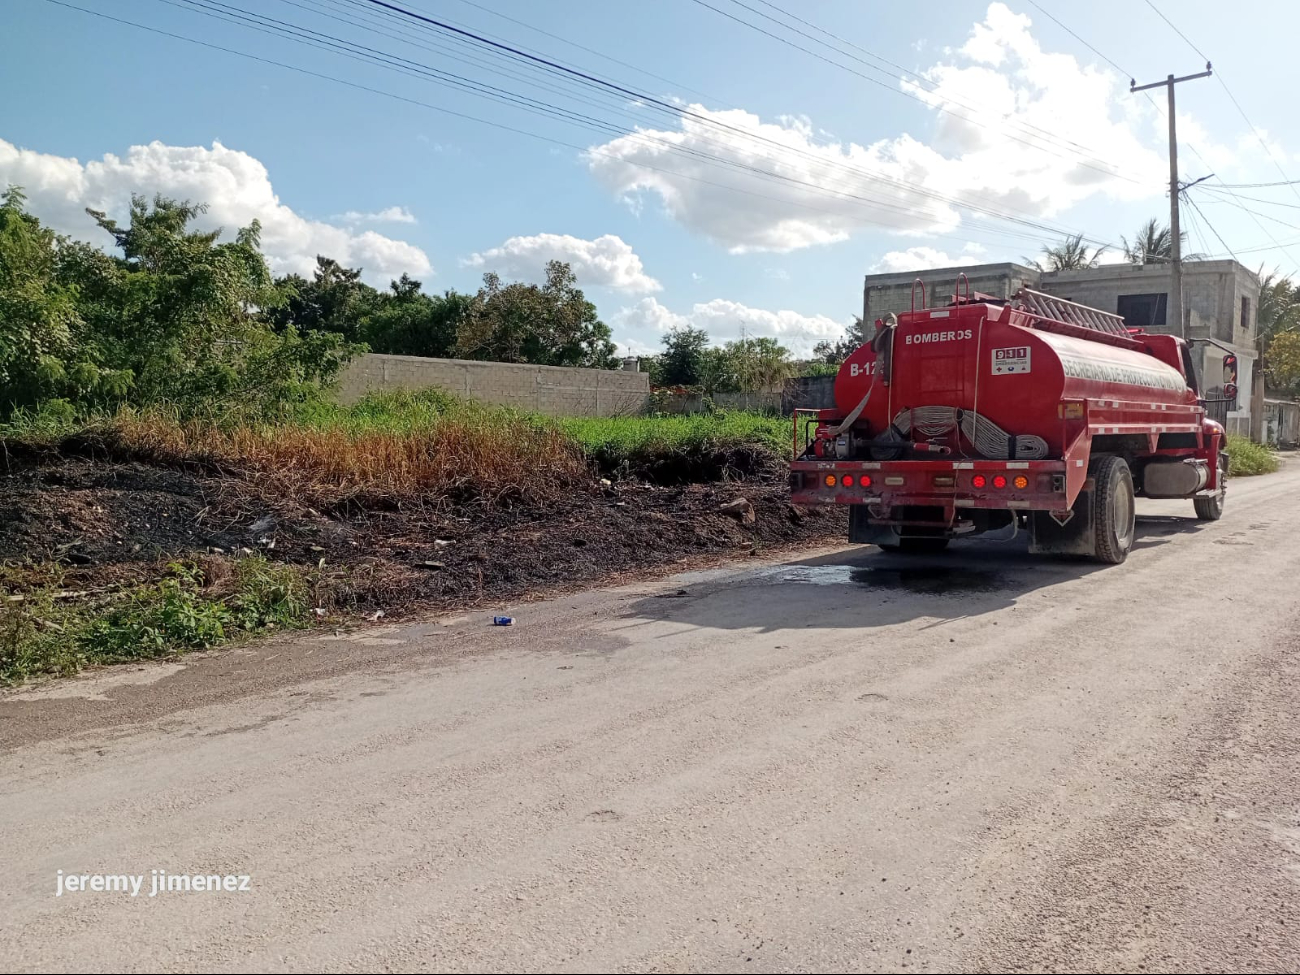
[
  {"x": 1056, "y": 309},
  {"x": 1055, "y": 314}
]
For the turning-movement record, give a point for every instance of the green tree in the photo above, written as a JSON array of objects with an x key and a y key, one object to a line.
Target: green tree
[
  {"x": 176, "y": 316},
  {"x": 334, "y": 300},
  {"x": 1071, "y": 254},
  {"x": 38, "y": 314},
  {"x": 1154, "y": 244},
  {"x": 552, "y": 324},
  {"x": 682, "y": 360},
  {"x": 1278, "y": 320},
  {"x": 718, "y": 373},
  {"x": 760, "y": 363},
  {"x": 406, "y": 321},
  {"x": 1283, "y": 362},
  {"x": 833, "y": 353}
]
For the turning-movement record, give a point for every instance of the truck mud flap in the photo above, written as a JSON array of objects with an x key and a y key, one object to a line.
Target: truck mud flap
[
  {"x": 1047, "y": 536},
  {"x": 862, "y": 532}
]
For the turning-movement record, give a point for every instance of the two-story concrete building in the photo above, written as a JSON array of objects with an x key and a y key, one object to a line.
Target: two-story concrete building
[{"x": 1219, "y": 303}]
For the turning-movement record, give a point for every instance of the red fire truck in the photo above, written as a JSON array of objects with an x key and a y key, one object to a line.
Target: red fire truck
[{"x": 1034, "y": 413}]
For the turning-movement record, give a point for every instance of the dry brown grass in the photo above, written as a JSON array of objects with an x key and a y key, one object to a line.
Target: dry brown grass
[{"x": 488, "y": 456}]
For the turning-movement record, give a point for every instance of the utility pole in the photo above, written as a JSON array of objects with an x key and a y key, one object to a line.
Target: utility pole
[{"x": 1176, "y": 255}]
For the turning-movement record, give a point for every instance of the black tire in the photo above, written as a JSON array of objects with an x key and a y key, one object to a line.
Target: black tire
[
  {"x": 1113, "y": 509},
  {"x": 916, "y": 545},
  {"x": 1211, "y": 508}
]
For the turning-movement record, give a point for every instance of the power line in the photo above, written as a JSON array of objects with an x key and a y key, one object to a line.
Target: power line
[
  {"x": 920, "y": 79},
  {"x": 470, "y": 117},
  {"x": 1236, "y": 104},
  {"x": 915, "y": 189},
  {"x": 591, "y": 50},
  {"x": 1254, "y": 186},
  {"x": 1219, "y": 184},
  {"x": 1152, "y": 5},
  {"x": 1256, "y": 199},
  {"x": 1047, "y": 13},
  {"x": 1192, "y": 204},
  {"x": 1284, "y": 223},
  {"x": 1103, "y": 168},
  {"x": 361, "y": 52}
]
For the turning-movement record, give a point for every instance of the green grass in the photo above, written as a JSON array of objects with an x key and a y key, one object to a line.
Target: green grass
[
  {"x": 1248, "y": 458},
  {"x": 427, "y": 445},
  {"x": 191, "y": 608},
  {"x": 703, "y": 446}
]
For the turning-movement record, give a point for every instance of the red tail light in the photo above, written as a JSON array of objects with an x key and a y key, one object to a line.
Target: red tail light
[
  {"x": 999, "y": 481},
  {"x": 979, "y": 480},
  {"x": 847, "y": 480},
  {"x": 864, "y": 481}
]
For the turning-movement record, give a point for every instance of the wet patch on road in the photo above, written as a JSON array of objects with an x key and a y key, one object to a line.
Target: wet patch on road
[{"x": 926, "y": 580}]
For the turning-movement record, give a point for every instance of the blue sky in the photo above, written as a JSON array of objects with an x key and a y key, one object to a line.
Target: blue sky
[{"x": 1005, "y": 113}]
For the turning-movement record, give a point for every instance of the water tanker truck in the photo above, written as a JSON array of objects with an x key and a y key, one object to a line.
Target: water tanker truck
[{"x": 989, "y": 415}]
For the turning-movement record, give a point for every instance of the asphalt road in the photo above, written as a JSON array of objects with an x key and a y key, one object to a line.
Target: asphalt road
[{"x": 843, "y": 762}]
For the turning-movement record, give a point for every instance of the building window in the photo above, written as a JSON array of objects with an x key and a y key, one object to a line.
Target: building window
[
  {"x": 1142, "y": 311},
  {"x": 1245, "y": 312}
]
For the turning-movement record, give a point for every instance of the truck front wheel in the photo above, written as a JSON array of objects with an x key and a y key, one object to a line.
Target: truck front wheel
[
  {"x": 1211, "y": 508},
  {"x": 1114, "y": 512}
]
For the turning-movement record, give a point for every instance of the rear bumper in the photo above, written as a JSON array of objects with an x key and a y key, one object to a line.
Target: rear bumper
[{"x": 949, "y": 485}]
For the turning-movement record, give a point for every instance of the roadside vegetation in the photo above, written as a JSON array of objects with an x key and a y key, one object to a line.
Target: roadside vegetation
[
  {"x": 1248, "y": 458},
  {"x": 425, "y": 456},
  {"x": 46, "y": 628}
]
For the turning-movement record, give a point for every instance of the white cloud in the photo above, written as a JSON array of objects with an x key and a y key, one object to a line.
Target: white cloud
[
  {"x": 639, "y": 329},
  {"x": 924, "y": 258},
  {"x": 392, "y": 214},
  {"x": 607, "y": 261},
  {"x": 905, "y": 184},
  {"x": 236, "y": 187}
]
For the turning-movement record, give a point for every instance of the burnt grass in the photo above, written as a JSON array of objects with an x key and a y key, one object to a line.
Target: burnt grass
[{"x": 112, "y": 522}]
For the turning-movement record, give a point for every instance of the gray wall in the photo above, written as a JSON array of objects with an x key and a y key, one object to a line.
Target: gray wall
[
  {"x": 1212, "y": 292},
  {"x": 1281, "y": 422},
  {"x": 551, "y": 390},
  {"x": 892, "y": 293}
]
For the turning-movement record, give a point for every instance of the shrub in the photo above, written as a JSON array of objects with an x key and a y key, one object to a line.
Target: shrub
[
  {"x": 1248, "y": 458},
  {"x": 43, "y": 633}
]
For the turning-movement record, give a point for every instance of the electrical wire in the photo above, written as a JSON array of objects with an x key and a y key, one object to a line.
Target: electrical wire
[
  {"x": 1233, "y": 98},
  {"x": 686, "y": 113},
  {"x": 350, "y": 49},
  {"x": 1219, "y": 183},
  {"x": 474, "y": 118},
  {"x": 1108, "y": 171}
]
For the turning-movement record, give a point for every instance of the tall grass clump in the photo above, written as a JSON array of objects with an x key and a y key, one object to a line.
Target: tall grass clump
[
  {"x": 1248, "y": 458},
  {"x": 674, "y": 449},
  {"x": 383, "y": 451}
]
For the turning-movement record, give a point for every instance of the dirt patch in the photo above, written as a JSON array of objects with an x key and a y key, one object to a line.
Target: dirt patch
[{"x": 107, "y": 522}]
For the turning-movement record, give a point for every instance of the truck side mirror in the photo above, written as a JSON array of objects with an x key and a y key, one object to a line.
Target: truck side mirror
[
  {"x": 1230, "y": 371},
  {"x": 1230, "y": 394}
]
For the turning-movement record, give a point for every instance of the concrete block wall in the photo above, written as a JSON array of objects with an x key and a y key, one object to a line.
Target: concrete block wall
[
  {"x": 552, "y": 390},
  {"x": 1212, "y": 293},
  {"x": 892, "y": 293}
]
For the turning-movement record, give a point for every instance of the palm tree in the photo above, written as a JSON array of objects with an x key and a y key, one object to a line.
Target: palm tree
[
  {"x": 1277, "y": 314},
  {"x": 1071, "y": 254},
  {"x": 1154, "y": 244}
]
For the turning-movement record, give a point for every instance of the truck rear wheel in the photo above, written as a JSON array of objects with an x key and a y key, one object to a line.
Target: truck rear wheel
[
  {"x": 1211, "y": 508},
  {"x": 1114, "y": 512}
]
